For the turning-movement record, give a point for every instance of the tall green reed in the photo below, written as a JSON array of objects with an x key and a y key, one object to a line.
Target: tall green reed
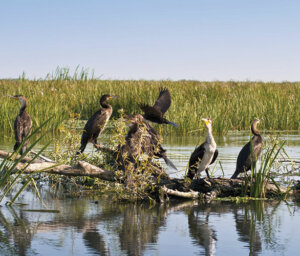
[{"x": 231, "y": 105}]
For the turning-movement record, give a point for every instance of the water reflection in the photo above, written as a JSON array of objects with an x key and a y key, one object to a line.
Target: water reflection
[
  {"x": 245, "y": 221},
  {"x": 201, "y": 230},
  {"x": 17, "y": 229},
  {"x": 83, "y": 227},
  {"x": 94, "y": 240},
  {"x": 246, "y": 218}
]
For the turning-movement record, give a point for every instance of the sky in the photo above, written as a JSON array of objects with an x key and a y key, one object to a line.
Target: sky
[{"x": 203, "y": 40}]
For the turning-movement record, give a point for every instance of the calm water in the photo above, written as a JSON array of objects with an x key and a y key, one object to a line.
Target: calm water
[
  {"x": 178, "y": 228},
  {"x": 83, "y": 227}
]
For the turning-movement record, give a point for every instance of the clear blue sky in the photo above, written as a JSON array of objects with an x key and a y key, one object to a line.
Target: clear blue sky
[{"x": 153, "y": 39}]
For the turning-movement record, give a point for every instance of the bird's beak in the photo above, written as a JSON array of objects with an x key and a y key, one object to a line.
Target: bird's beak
[
  {"x": 12, "y": 97},
  {"x": 114, "y": 96},
  {"x": 205, "y": 121}
]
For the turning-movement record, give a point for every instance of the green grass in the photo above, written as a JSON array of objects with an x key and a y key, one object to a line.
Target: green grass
[{"x": 231, "y": 105}]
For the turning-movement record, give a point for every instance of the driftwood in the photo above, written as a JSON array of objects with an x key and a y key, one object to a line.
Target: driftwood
[
  {"x": 81, "y": 169},
  {"x": 199, "y": 188}
]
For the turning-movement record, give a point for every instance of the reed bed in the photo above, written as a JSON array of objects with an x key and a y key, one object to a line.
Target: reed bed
[{"x": 231, "y": 105}]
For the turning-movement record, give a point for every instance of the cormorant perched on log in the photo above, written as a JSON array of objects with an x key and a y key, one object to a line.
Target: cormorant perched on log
[
  {"x": 155, "y": 114},
  {"x": 22, "y": 125},
  {"x": 205, "y": 154},
  {"x": 243, "y": 163},
  {"x": 96, "y": 123},
  {"x": 142, "y": 138}
]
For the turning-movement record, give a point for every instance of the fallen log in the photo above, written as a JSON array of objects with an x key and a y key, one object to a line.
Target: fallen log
[{"x": 81, "y": 169}]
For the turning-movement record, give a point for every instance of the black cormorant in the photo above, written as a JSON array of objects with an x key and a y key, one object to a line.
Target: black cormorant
[
  {"x": 142, "y": 138},
  {"x": 155, "y": 114},
  {"x": 96, "y": 123},
  {"x": 243, "y": 163},
  {"x": 22, "y": 125},
  {"x": 205, "y": 154}
]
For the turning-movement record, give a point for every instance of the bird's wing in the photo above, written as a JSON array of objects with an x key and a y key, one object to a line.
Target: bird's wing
[
  {"x": 215, "y": 156},
  {"x": 196, "y": 156},
  {"x": 150, "y": 111},
  {"x": 27, "y": 124},
  {"x": 163, "y": 102},
  {"x": 89, "y": 128},
  {"x": 18, "y": 130}
]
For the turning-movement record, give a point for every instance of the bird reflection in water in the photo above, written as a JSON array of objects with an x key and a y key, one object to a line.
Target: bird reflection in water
[{"x": 201, "y": 230}]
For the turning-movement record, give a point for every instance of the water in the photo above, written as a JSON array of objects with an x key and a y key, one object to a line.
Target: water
[
  {"x": 178, "y": 228},
  {"x": 97, "y": 226}
]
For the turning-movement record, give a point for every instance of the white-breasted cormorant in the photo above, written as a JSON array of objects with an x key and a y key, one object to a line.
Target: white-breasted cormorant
[
  {"x": 96, "y": 123},
  {"x": 22, "y": 125},
  {"x": 155, "y": 114},
  {"x": 243, "y": 163},
  {"x": 205, "y": 154},
  {"x": 142, "y": 138}
]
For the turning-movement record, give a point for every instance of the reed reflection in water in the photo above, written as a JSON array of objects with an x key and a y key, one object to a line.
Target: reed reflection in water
[{"x": 188, "y": 227}]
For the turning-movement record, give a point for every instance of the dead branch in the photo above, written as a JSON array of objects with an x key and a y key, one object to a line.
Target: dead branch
[
  {"x": 171, "y": 192},
  {"x": 42, "y": 157}
]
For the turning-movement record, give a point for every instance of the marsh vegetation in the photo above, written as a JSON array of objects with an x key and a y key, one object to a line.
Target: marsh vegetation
[
  {"x": 70, "y": 99},
  {"x": 231, "y": 105}
]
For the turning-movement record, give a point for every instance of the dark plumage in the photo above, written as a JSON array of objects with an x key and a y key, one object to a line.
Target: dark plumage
[
  {"x": 243, "y": 163},
  {"x": 22, "y": 125},
  {"x": 204, "y": 155},
  {"x": 142, "y": 138},
  {"x": 155, "y": 114},
  {"x": 96, "y": 123}
]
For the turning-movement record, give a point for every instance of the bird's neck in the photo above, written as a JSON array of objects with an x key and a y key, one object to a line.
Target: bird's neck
[
  {"x": 23, "y": 106},
  {"x": 209, "y": 136},
  {"x": 105, "y": 105},
  {"x": 254, "y": 129}
]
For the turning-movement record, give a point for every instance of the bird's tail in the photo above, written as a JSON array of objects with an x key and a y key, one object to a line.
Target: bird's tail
[
  {"x": 169, "y": 162},
  {"x": 234, "y": 176},
  {"x": 16, "y": 146},
  {"x": 82, "y": 148},
  {"x": 190, "y": 174},
  {"x": 172, "y": 123},
  {"x": 22, "y": 150}
]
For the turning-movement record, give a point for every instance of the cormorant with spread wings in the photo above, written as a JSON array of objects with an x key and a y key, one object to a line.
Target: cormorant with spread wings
[{"x": 155, "y": 114}]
